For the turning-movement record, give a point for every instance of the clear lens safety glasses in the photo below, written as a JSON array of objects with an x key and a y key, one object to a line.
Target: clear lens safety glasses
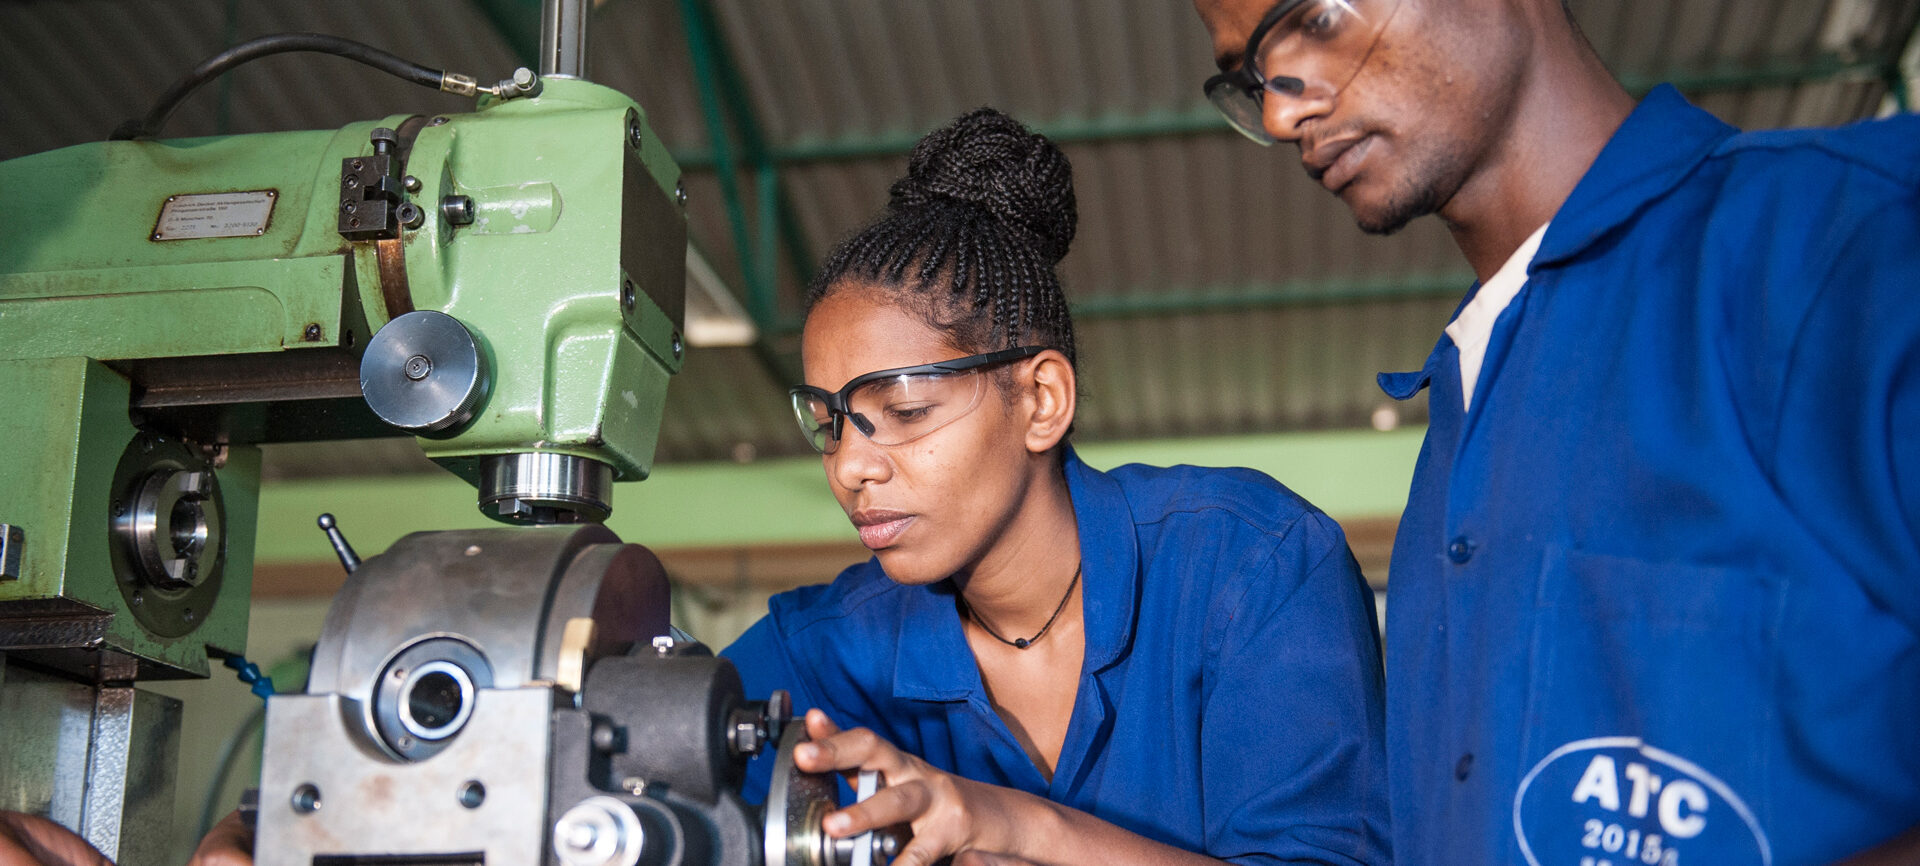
[
  {"x": 894, "y": 407},
  {"x": 1301, "y": 49}
]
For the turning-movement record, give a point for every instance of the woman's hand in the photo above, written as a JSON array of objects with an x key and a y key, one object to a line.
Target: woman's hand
[
  {"x": 27, "y": 840},
  {"x": 949, "y": 814},
  {"x": 229, "y": 843},
  {"x": 982, "y": 858}
]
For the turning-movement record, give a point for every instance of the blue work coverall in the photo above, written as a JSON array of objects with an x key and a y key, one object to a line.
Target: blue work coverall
[
  {"x": 1655, "y": 597},
  {"x": 1230, "y": 701}
]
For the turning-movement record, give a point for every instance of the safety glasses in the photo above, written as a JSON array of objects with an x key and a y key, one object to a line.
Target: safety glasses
[
  {"x": 1301, "y": 49},
  {"x": 893, "y": 407}
]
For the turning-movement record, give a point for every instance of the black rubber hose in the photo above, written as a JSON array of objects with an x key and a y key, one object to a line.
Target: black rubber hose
[{"x": 254, "y": 49}]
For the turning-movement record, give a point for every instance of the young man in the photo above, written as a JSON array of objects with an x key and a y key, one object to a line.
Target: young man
[{"x": 1656, "y": 595}]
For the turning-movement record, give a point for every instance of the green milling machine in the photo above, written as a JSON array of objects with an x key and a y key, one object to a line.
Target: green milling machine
[{"x": 504, "y": 285}]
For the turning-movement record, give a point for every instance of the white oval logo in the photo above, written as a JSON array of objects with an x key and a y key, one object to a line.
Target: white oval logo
[{"x": 1614, "y": 801}]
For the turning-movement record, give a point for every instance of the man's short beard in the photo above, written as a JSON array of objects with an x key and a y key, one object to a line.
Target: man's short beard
[{"x": 1427, "y": 187}]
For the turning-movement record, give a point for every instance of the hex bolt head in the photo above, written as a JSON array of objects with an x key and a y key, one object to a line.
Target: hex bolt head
[
  {"x": 313, "y": 331},
  {"x": 457, "y": 209},
  {"x": 605, "y": 738}
]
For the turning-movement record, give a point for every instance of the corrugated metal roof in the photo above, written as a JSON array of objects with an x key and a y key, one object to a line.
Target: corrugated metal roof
[{"x": 1218, "y": 289}]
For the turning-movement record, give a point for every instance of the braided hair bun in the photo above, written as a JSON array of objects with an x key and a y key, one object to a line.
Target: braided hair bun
[
  {"x": 988, "y": 160},
  {"x": 970, "y": 238}
]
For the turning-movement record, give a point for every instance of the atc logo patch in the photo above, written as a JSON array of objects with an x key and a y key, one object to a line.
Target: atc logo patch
[{"x": 1615, "y": 801}]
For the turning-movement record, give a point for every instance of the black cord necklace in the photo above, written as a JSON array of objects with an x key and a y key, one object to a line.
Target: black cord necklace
[{"x": 1024, "y": 642}]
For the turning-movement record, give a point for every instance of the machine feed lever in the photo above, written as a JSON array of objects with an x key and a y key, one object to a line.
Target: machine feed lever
[{"x": 348, "y": 559}]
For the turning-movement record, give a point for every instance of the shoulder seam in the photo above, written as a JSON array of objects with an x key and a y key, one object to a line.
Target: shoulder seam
[
  {"x": 1279, "y": 532},
  {"x": 1808, "y": 140},
  {"x": 1265, "y": 568},
  {"x": 849, "y": 605}
]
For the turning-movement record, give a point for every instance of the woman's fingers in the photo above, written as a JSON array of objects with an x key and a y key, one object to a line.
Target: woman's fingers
[
  {"x": 229, "y": 843},
  {"x": 894, "y": 804},
  {"x": 819, "y": 726},
  {"x": 922, "y": 851},
  {"x": 858, "y": 749},
  {"x": 982, "y": 858},
  {"x": 27, "y": 840},
  {"x": 915, "y": 793}
]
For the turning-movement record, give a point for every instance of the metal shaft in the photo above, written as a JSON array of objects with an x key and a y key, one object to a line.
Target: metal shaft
[{"x": 563, "y": 38}]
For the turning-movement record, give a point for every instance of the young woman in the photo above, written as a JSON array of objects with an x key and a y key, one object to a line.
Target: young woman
[{"x": 1047, "y": 662}]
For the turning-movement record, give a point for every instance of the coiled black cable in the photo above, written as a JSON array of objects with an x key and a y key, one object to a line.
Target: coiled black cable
[{"x": 254, "y": 49}]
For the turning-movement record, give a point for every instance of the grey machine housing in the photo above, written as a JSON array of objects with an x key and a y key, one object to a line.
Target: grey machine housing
[{"x": 510, "y": 696}]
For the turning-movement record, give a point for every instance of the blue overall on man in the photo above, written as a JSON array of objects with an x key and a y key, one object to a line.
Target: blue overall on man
[{"x": 1656, "y": 595}]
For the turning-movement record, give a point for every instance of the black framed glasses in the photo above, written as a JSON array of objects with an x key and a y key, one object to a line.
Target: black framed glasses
[
  {"x": 1300, "y": 49},
  {"x": 893, "y": 407}
]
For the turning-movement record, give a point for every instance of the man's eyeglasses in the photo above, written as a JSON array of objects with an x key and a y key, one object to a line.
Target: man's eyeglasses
[
  {"x": 893, "y": 407},
  {"x": 1301, "y": 49}
]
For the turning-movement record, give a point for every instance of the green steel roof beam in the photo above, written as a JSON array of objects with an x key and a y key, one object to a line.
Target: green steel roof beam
[
  {"x": 1203, "y": 119},
  {"x": 711, "y": 72},
  {"x": 1294, "y": 293},
  {"x": 723, "y": 100},
  {"x": 776, "y": 215},
  {"x": 517, "y": 22},
  {"x": 229, "y": 35},
  {"x": 703, "y": 47},
  {"x": 1905, "y": 71}
]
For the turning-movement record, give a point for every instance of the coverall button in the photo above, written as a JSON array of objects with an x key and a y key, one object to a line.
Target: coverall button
[
  {"x": 1460, "y": 550},
  {"x": 1464, "y": 768}
]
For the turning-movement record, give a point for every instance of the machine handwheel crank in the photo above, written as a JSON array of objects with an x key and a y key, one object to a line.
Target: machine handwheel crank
[{"x": 797, "y": 804}]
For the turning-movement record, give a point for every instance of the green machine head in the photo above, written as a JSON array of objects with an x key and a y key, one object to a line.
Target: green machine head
[{"x": 506, "y": 285}]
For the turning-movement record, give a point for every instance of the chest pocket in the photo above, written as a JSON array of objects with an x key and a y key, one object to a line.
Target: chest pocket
[{"x": 1646, "y": 708}]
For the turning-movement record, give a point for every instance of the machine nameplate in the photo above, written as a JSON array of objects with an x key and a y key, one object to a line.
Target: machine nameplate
[{"x": 215, "y": 215}]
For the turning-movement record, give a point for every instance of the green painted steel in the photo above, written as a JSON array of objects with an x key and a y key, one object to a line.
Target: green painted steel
[
  {"x": 538, "y": 276},
  {"x": 570, "y": 276},
  {"x": 703, "y": 42},
  {"x": 85, "y": 276},
  {"x": 518, "y": 24},
  {"x": 1201, "y": 119},
  {"x": 727, "y": 108},
  {"x": 1904, "y": 72},
  {"x": 1291, "y": 294},
  {"x": 1348, "y": 474},
  {"x": 66, "y": 427}
]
